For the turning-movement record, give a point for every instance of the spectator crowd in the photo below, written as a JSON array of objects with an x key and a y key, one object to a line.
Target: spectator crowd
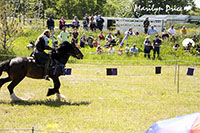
[{"x": 117, "y": 40}]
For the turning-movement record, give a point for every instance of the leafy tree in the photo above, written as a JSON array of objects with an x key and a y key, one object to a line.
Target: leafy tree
[
  {"x": 9, "y": 27},
  {"x": 50, "y": 12}
]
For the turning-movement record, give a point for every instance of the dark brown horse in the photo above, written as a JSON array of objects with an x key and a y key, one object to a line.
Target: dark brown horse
[{"x": 19, "y": 67}]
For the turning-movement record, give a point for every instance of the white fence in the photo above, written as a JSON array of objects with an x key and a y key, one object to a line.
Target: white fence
[{"x": 137, "y": 24}]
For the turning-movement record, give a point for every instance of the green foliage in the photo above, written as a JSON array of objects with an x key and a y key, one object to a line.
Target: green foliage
[
  {"x": 9, "y": 27},
  {"x": 50, "y": 12}
]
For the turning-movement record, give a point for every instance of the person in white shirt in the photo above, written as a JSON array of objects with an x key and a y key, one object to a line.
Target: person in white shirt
[
  {"x": 64, "y": 35},
  {"x": 152, "y": 31},
  {"x": 127, "y": 49},
  {"x": 111, "y": 50},
  {"x": 172, "y": 31}
]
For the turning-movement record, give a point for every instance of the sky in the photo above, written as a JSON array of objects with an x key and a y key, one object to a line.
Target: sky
[{"x": 197, "y": 2}]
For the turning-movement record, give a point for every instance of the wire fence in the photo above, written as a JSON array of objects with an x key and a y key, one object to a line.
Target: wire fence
[{"x": 32, "y": 130}]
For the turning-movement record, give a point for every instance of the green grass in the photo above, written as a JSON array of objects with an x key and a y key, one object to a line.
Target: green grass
[
  {"x": 167, "y": 52},
  {"x": 129, "y": 102}
]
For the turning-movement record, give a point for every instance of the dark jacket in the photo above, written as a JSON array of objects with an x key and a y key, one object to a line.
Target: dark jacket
[{"x": 50, "y": 23}]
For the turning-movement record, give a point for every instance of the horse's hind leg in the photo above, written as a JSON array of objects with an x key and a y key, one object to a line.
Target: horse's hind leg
[
  {"x": 4, "y": 80},
  {"x": 11, "y": 87}
]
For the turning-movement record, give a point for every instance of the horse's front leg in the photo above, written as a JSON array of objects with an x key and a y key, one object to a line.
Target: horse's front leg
[{"x": 55, "y": 90}]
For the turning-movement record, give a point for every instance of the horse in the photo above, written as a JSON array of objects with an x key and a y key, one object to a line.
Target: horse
[{"x": 20, "y": 67}]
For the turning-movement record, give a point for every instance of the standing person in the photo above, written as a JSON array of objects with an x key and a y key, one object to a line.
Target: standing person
[
  {"x": 82, "y": 40},
  {"x": 75, "y": 36},
  {"x": 50, "y": 23},
  {"x": 40, "y": 56},
  {"x": 85, "y": 24},
  {"x": 156, "y": 47},
  {"x": 96, "y": 17},
  {"x": 100, "y": 22},
  {"x": 146, "y": 24},
  {"x": 87, "y": 19},
  {"x": 92, "y": 24},
  {"x": 147, "y": 47},
  {"x": 64, "y": 35},
  {"x": 61, "y": 23},
  {"x": 75, "y": 22}
]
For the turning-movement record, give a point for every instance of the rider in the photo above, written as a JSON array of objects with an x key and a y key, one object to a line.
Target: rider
[{"x": 40, "y": 56}]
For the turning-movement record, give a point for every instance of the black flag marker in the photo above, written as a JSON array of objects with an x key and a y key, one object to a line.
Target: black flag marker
[
  {"x": 190, "y": 71},
  {"x": 158, "y": 70},
  {"x": 111, "y": 71}
]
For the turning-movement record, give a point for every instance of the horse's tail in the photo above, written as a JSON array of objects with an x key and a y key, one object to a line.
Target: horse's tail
[{"x": 4, "y": 66}]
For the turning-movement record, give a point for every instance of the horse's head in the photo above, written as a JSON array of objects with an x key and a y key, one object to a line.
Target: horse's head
[{"x": 70, "y": 49}]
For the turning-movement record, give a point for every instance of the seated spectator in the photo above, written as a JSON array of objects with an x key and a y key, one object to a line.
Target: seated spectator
[
  {"x": 136, "y": 33},
  {"x": 127, "y": 49},
  {"x": 147, "y": 47},
  {"x": 118, "y": 33},
  {"x": 101, "y": 36},
  {"x": 120, "y": 52},
  {"x": 95, "y": 43},
  {"x": 100, "y": 50},
  {"x": 171, "y": 30},
  {"x": 165, "y": 35},
  {"x": 128, "y": 33},
  {"x": 110, "y": 39},
  {"x": 64, "y": 35},
  {"x": 134, "y": 50},
  {"x": 85, "y": 24},
  {"x": 173, "y": 39},
  {"x": 111, "y": 50},
  {"x": 119, "y": 41},
  {"x": 90, "y": 41},
  {"x": 198, "y": 50},
  {"x": 82, "y": 40},
  {"x": 61, "y": 23},
  {"x": 176, "y": 46},
  {"x": 75, "y": 36},
  {"x": 75, "y": 22},
  {"x": 184, "y": 30},
  {"x": 195, "y": 39},
  {"x": 152, "y": 31}
]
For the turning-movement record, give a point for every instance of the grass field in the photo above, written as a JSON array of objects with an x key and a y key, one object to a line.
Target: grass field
[{"x": 129, "y": 102}]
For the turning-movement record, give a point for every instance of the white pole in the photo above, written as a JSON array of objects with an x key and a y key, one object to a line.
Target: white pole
[{"x": 178, "y": 81}]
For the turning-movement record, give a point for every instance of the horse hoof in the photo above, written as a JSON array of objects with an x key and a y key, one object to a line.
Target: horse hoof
[
  {"x": 14, "y": 98},
  {"x": 59, "y": 96}
]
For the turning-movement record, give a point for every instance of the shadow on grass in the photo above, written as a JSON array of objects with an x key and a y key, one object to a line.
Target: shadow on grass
[{"x": 51, "y": 103}]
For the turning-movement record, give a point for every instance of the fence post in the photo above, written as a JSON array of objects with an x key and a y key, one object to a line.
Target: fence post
[
  {"x": 175, "y": 72},
  {"x": 178, "y": 81},
  {"x": 194, "y": 76}
]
